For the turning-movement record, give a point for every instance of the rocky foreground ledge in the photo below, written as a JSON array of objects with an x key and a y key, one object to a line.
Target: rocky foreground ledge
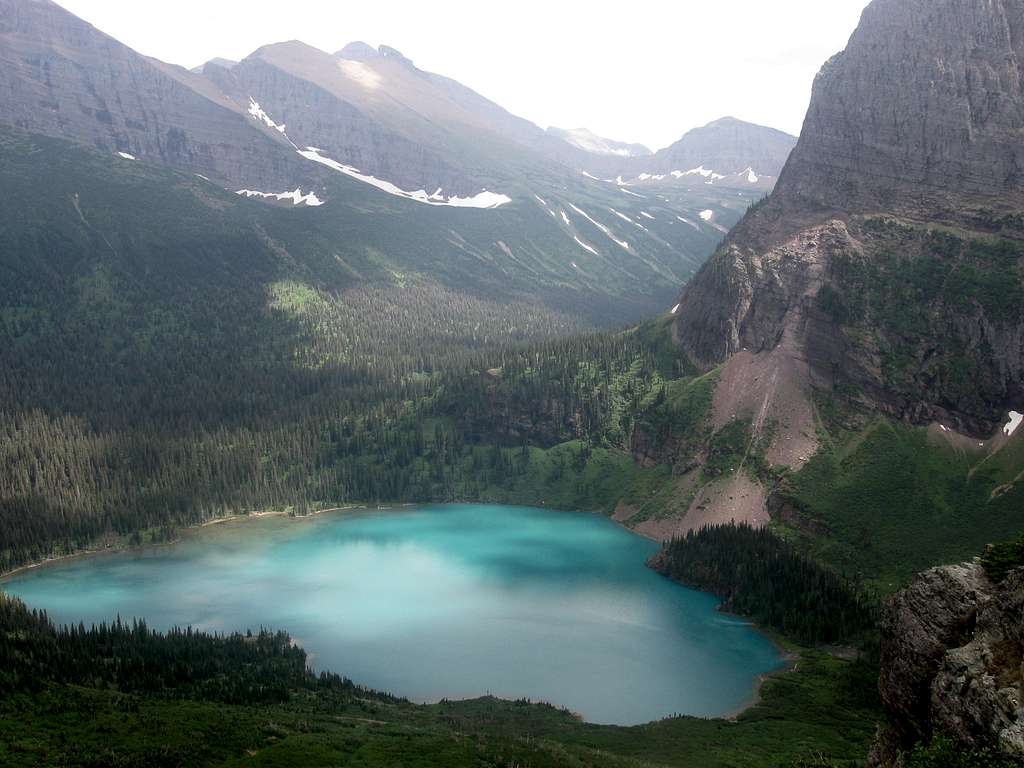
[{"x": 951, "y": 663}]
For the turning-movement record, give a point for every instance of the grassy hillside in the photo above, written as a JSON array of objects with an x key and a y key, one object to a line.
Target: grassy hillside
[{"x": 889, "y": 500}]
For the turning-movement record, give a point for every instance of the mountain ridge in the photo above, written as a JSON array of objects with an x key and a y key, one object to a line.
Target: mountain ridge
[
  {"x": 61, "y": 76},
  {"x": 376, "y": 110}
]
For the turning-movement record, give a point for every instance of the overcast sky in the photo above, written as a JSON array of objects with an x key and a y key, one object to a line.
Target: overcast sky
[{"x": 643, "y": 70}]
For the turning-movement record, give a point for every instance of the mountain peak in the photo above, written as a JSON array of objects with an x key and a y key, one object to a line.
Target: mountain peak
[
  {"x": 286, "y": 45},
  {"x": 388, "y": 52},
  {"x": 357, "y": 50},
  {"x": 722, "y": 121},
  {"x": 734, "y": 123},
  {"x": 728, "y": 146},
  {"x": 217, "y": 61}
]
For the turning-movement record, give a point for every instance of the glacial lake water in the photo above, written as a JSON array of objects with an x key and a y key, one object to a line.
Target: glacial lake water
[{"x": 440, "y": 601}]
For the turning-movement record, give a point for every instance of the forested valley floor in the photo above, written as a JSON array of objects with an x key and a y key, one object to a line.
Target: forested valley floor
[{"x": 130, "y": 412}]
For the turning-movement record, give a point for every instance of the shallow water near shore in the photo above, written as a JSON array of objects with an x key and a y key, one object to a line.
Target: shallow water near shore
[{"x": 448, "y": 601}]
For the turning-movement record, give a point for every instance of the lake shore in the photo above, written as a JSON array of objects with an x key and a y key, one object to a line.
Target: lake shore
[
  {"x": 124, "y": 544},
  {"x": 787, "y": 653},
  {"x": 790, "y": 656},
  {"x": 617, "y": 559}
]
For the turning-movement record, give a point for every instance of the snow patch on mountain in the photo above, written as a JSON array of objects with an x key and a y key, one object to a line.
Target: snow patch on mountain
[
  {"x": 645, "y": 214},
  {"x": 701, "y": 171},
  {"x": 257, "y": 112},
  {"x": 547, "y": 208},
  {"x": 261, "y": 116},
  {"x": 295, "y": 196},
  {"x": 607, "y": 232},
  {"x": 707, "y": 214},
  {"x": 482, "y": 199},
  {"x": 585, "y": 246},
  {"x": 126, "y": 156},
  {"x": 622, "y": 216},
  {"x": 1013, "y": 423},
  {"x": 634, "y": 194}
]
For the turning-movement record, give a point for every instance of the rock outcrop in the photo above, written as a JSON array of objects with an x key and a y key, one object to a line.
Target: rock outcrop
[{"x": 951, "y": 663}]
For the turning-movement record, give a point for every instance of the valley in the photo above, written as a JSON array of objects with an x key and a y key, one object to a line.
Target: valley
[{"x": 331, "y": 345}]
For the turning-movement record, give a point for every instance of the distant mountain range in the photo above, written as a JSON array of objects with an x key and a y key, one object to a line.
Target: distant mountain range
[
  {"x": 605, "y": 227},
  {"x": 373, "y": 110},
  {"x": 726, "y": 153}
]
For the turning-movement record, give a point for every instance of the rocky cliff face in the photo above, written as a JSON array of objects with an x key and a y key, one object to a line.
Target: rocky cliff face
[
  {"x": 952, "y": 662},
  {"x": 923, "y": 113},
  {"x": 891, "y": 249}
]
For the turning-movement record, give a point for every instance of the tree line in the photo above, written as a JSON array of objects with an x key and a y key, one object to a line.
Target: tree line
[
  {"x": 252, "y": 668},
  {"x": 759, "y": 575}
]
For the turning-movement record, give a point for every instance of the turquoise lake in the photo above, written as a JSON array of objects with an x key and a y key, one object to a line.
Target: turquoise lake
[{"x": 440, "y": 601}]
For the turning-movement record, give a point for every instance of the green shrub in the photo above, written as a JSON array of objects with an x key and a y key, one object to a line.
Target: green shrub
[{"x": 999, "y": 559}]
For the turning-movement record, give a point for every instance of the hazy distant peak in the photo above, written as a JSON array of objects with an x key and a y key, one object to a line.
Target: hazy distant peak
[
  {"x": 588, "y": 141},
  {"x": 217, "y": 62},
  {"x": 735, "y": 122},
  {"x": 360, "y": 51},
  {"x": 288, "y": 50},
  {"x": 388, "y": 52},
  {"x": 727, "y": 120},
  {"x": 357, "y": 50}
]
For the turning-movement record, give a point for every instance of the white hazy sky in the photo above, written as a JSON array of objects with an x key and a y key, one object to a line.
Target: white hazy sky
[{"x": 644, "y": 70}]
